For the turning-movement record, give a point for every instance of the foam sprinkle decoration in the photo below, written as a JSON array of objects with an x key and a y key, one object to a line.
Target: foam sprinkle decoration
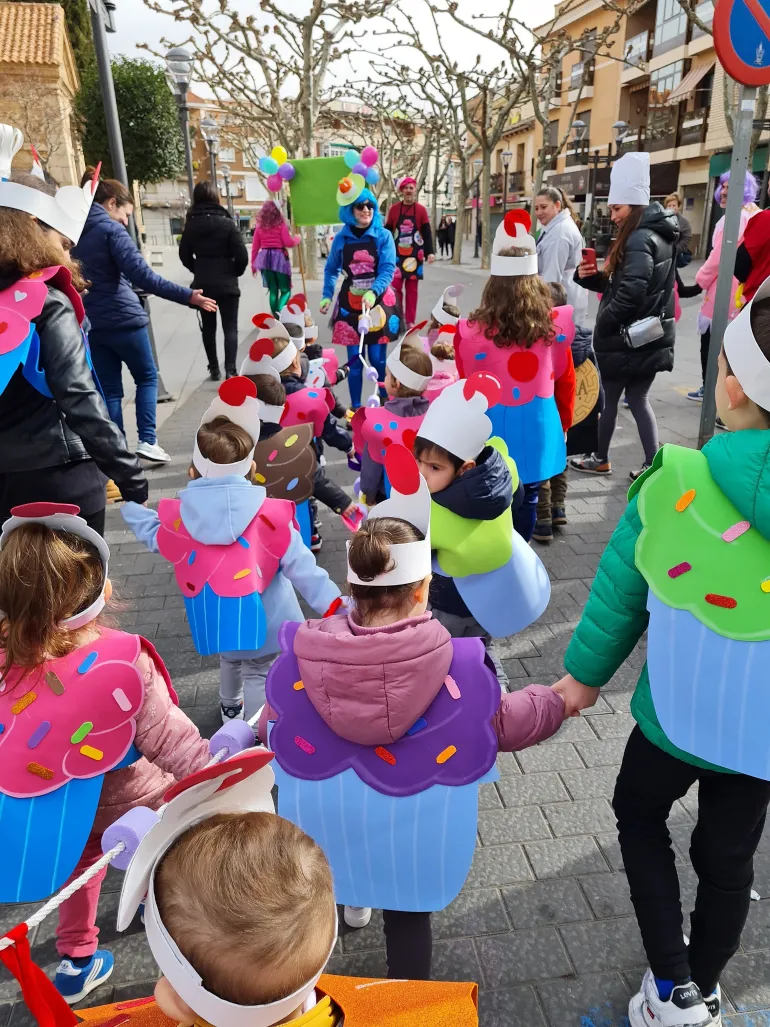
[
  {"x": 386, "y": 755},
  {"x": 291, "y": 440},
  {"x": 418, "y": 725},
  {"x": 122, "y": 699},
  {"x": 446, "y": 754},
  {"x": 88, "y": 663},
  {"x": 242, "y": 574},
  {"x": 304, "y": 745},
  {"x": 684, "y": 500},
  {"x": 40, "y": 771},
  {"x": 53, "y": 682},
  {"x": 259, "y": 478},
  {"x": 272, "y": 456},
  {"x": 681, "y": 568},
  {"x": 735, "y": 531},
  {"x": 91, "y": 752},
  {"x": 23, "y": 703},
  {"x": 451, "y": 686},
  {"x": 727, "y": 602},
  {"x": 39, "y": 734},
  {"x": 81, "y": 732},
  {"x": 298, "y": 686}
]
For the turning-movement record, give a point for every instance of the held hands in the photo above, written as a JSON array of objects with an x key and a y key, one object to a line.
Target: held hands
[
  {"x": 586, "y": 270},
  {"x": 576, "y": 696},
  {"x": 199, "y": 300},
  {"x": 324, "y": 305},
  {"x": 431, "y": 257}
]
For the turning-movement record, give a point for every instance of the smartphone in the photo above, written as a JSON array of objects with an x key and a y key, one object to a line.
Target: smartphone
[{"x": 589, "y": 256}]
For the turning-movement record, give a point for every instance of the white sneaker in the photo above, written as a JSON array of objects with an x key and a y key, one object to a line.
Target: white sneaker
[
  {"x": 714, "y": 1006},
  {"x": 357, "y": 916},
  {"x": 685, "y": 1007},
  {"x": 153, "y": 452}
]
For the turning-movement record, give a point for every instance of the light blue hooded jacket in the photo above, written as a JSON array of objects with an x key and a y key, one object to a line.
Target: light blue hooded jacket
[{"x": 386, "y": 248}]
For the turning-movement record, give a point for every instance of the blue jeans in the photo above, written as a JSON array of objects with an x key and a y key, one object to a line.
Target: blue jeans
[
  {"x": 376, "y": 353},
  {"x": 524, "y": 518},
  {"x": 110, "y": 349}
]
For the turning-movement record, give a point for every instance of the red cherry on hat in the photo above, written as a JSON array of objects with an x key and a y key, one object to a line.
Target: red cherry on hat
[
  {"x": 448, "y": 330},
  {"x": 235, "y": 391},
  {"x": 416, "y": 328},
  {"x": 261, "y": 348},
  {"x": 486, "y": 384},
  {"x": 44, "y": 509},
  {"x": 516, "y": 217},
  {"x": 402, "y": 470},
  {"x": 408, "y": 437},
  {"x": 262, "y": 320},
  {"x": 232, "y": 771}
]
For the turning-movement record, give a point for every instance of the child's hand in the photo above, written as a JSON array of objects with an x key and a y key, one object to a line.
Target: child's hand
[
  {"x": 324, "y": 305},
  {"x": 576, "y": 696}
]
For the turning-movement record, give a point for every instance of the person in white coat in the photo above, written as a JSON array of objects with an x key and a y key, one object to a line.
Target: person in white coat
[{"x": 559, "y": 247}]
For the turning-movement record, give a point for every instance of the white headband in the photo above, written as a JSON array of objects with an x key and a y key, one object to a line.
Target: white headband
[
  {"x": 411, "y": 379},
  {"x": 285, "y": 358},
  {"x": 311, "y": 333},
  {"x": 63, "y": 517},
  {"x": 270, "y": 415},
  {"x": 512, "y": 267},
  {"x": 747, "y": 361},
  {"x": 236, "y": 400},
  {"x": 452, "y": 292}
]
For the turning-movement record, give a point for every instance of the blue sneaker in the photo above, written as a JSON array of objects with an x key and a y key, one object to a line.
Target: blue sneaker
[
  {"x": 75, "y": 982},
  {"x": 696, "y": 395}
]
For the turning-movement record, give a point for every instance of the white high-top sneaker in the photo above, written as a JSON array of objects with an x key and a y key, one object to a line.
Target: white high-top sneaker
[
  {"x": 685, "y": 1007},
  {"x": 357, "y": 916}
]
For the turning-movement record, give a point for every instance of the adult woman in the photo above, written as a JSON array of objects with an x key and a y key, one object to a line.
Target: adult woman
[
  {"x": 57, "y": 441},
  {"x": 708, "y": 273},
  {"x": 211, "y": 247},
  {"x": 442, "y": 234},
  {"x": 269, "y": 255},
  {"x": 683, "y": 255},
  {"x": 637, "y": 282},
  {"x": 118, "y": 333},
  {"x": 559, "y": 246},
  {"x": 364, "y": 251}
]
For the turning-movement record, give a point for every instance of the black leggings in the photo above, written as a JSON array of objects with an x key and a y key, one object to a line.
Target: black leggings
[
  {"x": 637, "y": 393},
  {"x": 731, "y": 816},
  {"x": 705, "y": 342},
  {"x": 228, "y": 312},
  {"x": 408, "y": 944}
]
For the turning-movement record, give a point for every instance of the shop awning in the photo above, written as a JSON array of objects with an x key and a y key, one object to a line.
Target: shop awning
[{"x": 689, "y": 83}]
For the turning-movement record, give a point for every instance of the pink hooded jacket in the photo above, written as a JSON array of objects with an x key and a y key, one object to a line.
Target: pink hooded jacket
[
  {"x": 707, "y": 274},
  {"x": 370, "y": 685}
]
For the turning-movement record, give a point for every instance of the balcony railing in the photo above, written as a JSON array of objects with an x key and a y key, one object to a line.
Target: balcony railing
[
  {"x": 637, "y": 50},
  {"x": 633, "y": 140},
  {"x": 515, "y": 182},
  {"x": 661, "y": 129},
  {"x": 694, "y": 126},
  {"x": 705, "y": 11},
  {"x": 583, "y": 68},
  {"x": 577, "y": 153}
]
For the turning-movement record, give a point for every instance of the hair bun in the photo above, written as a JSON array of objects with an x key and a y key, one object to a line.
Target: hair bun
[{"x": 369, "y": 553}]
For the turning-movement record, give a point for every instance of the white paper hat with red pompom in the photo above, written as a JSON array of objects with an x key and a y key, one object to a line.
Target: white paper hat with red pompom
[
  {"x": 409, "y": 500},
  {"x": 451, "y": 295},
  {"x": 260, "y": 359},
  {"x": 237, "y": 401},
  {"x": 411, "y": 379},
  {"x": 513, "y": 231},
  {"x": 457, "y": 418},
  {"x": 296, "y": 312},
  {"x": 747, "y": 361}
]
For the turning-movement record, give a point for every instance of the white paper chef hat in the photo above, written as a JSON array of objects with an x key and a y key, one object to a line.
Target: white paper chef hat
[
  {"x": 452, "y": 295},
  {"x": 411, "y": 379},
  {"x": 747, "y": 361},
  {"x": 66, "y": 211},
  {"x": 260, "y": 359},
  {"x": 237, "y": 401},
  {"x": 512, "y": 231},
  {"x": 457, "y": 418},
  {"x": 630, "y": 179},
  {"x": 409, "y": 500},
  {"x": 239, "y": 785},
  {"x": 295, "y": 312}
]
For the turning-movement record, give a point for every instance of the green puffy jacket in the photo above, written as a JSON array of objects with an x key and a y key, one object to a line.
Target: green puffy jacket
[{"x": 616, "y": 615}]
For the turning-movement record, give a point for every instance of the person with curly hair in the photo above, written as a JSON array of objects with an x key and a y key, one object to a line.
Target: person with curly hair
[
  {"x": 269, "y": 254},
  {"x": 514, "y": 336}
]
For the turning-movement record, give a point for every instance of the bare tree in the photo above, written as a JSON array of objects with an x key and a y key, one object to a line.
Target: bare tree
[{"x": 41, "y": 115}]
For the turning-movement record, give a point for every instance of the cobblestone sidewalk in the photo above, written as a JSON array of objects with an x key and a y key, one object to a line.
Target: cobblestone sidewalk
[{"x": 544, "y": 923}]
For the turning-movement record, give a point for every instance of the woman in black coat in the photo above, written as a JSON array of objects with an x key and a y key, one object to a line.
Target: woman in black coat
[
  {"x": 211, "y": 247},
  {"x": 637, "y": 282}
]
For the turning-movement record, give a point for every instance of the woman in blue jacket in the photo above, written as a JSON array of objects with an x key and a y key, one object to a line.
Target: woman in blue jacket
[
  {"x": 118, "y": 333},
  {"x": 364, "y": 251}
]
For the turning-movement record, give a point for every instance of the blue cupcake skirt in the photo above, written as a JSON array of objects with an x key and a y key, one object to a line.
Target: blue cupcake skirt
[
  {"x": 534, "y": 437},
  {"x": 224, "y": 624},
  {"x": 302, "y": 513}
]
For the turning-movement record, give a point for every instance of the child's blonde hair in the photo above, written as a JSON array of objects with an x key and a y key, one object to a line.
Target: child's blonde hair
[
  {"x": 223, "y": 442},
  {"x": 369, "y": 556},
  {"x": 442, "y": 350},
  {"x": 248, "y": 899},
  {"x": 515, "y": 310},
  {"x": 45, "y": 577},
  {"x": 416, "y": 360}
]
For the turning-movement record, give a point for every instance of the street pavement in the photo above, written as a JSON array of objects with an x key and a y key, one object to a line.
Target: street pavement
[{"x": 544, "y": 923}]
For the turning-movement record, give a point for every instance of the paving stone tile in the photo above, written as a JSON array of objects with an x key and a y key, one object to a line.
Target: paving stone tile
[
  {"x": 608, "y": 752},
  {"x": 564, "y": 857},
  {"x": 604, "y": 944},
  {"x": 506, "y": 765},
  {"x": 532, "y": 789},
  {"x": 497, "y": 865},
  {"x": 756, "y": 933},
  {"x": 576, "y": 729},
  {"x": 522, "y": 956},
  {"x": 489, "y": 797},
  {"x": 506, "y": 1007},
  {"x": 557, "y": 756},
  {"x": 540, "y": 903},
  {"x": 608, "y": 895},
  {"x": 475, "y": 911},
  {"x": 587, "y": 816},
  {"x": 359, "y": 964},
  {"x": 520, "y": 825},
  {"x": 618, "y": 726},
  {"x": 593, "y": 783},
  {"x": 747, "y": 981},
  {"x": 362, "y": 939},
  {"x": 591, "y": 1000},
  {"x": 761, "y": 1018},
  {"x": 610, "y": 846}
]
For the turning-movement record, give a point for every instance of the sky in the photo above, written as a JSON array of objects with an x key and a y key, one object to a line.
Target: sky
[{"x": 137, "y": 24}]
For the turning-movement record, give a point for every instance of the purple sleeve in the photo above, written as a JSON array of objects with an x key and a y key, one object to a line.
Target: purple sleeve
[{"x": 528, "y": 717}]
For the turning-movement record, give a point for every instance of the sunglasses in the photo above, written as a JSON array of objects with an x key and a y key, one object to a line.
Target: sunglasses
[{"x": 366, "y": 205}]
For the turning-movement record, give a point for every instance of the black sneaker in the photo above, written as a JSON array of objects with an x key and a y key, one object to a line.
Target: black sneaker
[
  {"x": 559, "y": 517},
  {"x": 633, "y": 475},
  {"x": 543, "y": 532},
  {"x": 214, "y": 374},
  {"x": 315, "y": 543},
  {"x": 231, "y": 711}
]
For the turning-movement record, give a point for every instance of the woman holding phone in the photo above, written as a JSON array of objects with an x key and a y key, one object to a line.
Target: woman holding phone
[
  {"x": 634, "y": 333},
  {"x": 558, "y": 246}
]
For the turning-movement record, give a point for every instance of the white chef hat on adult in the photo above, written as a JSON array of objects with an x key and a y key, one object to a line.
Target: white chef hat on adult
[{"x": 630, "y": 180}]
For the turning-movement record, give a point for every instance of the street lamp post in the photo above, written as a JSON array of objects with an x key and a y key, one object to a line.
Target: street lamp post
[
  {"x": 179, "y": 65},
  {"x": 477, "y": 168},
  {"x": 226, "y": 177},
  {"x": 210, "y": 130},
  {"x": 505, "y": 157}
]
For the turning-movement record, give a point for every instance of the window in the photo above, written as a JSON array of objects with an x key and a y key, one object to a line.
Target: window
[
  {"x": 577, "y": 152},
  {"x": 552, "y": 143},
  {"x": 670, "y": 26},
  {"x": 227, "y": 154},
  {"x": 335, "y": 149},
  {"x": 662, "y": 119}
]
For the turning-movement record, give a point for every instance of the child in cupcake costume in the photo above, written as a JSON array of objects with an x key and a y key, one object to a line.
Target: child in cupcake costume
[
  {"x": 515, "y": 336},
  {"x": 689, "y": 563},
  {"x": 383, "y": 727},
  {"x": 91, "y": 726},
  {"x": 237, "y": 554}
]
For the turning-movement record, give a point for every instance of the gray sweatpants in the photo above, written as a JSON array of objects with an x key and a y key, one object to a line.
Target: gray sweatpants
[
  {"x": 469, "y": 627},
  {"x": 242, "y": 677}
]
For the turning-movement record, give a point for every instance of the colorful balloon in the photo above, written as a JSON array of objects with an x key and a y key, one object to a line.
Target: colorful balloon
[
  {"x": 360, "y": 168},
  {"x": 279, "y": 155},
  {"x": 351, "y": 158},
  {"x": 268, "y": 166},
  {"x": 372, "y": 176},
  {"x": 369, "y": 156},
  {"x": 287, "y": 171},
  {"x": 274, "y": 183}
]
